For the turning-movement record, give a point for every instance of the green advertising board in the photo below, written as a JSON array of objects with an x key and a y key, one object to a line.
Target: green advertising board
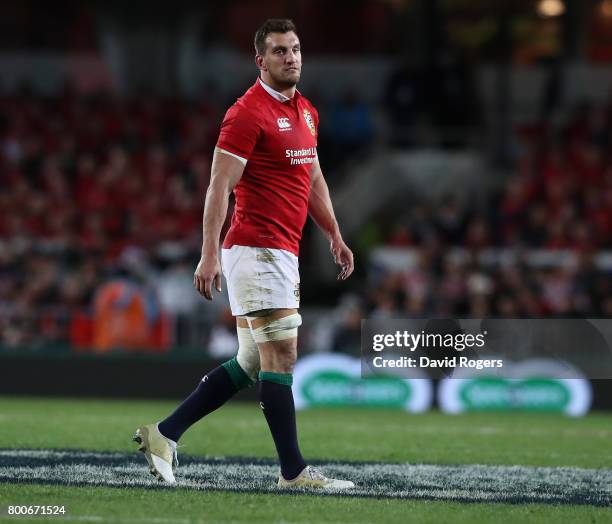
[
  {"x": 335, "y": 380},
  {"x": 533, "y": 386}
]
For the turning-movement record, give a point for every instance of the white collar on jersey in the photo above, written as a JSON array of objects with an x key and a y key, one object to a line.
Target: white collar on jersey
[{"x": 272, "y": 92}]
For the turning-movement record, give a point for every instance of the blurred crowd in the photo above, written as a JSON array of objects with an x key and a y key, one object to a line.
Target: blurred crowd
[
  {"x": 101, "y": 203},
  {"x": 444, "y": 285},
  {"x": 559, "y": 198},
  {"x": 559, "y": 195},
  {"x": 101, "y": 173},
  {"x": 86, "y": 183}
]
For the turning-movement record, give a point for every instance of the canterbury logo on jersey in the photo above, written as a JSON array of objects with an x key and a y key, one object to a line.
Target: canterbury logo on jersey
[{"x": 283, "y": 124}]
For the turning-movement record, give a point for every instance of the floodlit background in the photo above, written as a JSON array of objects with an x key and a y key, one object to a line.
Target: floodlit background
[{"x": 466, "y": 143}]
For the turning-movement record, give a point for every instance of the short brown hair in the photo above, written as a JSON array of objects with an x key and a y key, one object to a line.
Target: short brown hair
[{"x": 271, "y": 25}]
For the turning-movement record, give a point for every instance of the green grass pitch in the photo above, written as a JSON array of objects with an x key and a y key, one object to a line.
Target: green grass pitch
[{"x": 433, "y": 444}]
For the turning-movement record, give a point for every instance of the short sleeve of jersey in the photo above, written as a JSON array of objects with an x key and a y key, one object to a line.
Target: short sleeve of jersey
[{"x": 239, "y": 133}]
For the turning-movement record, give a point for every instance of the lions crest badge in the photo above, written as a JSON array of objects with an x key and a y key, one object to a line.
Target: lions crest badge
[{"x": 309, "y": 122}]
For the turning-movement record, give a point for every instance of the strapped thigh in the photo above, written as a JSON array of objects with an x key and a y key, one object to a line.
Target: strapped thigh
[{"x": 277, "y": 329}]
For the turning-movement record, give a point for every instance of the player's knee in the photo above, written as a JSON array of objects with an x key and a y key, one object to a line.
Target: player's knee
[
  {"x": 248, "y": 353},
  {"x": 279, "y": 356},
  {"x": 244, "y": 368},
  {"x": 286, "y": 357}
]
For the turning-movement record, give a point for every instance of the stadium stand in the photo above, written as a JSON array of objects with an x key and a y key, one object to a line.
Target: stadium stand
[{"x": 102, "y": 189}]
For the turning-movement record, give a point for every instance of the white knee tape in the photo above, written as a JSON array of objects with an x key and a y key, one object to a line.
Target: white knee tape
[
  {"x": 248, "y": 353},
  {"x": 278, "y": 329}
]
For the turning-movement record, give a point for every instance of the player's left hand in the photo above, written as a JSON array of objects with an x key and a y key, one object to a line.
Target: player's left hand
[{"x": 343, "y": 256}]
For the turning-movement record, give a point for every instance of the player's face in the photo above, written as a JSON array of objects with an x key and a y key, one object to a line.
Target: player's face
[{"x": 283, "y": 59}]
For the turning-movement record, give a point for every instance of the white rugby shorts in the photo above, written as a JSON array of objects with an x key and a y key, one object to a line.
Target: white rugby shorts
[{"x": 260, "y": 278}]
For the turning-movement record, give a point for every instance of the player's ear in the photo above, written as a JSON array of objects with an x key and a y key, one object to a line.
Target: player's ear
[{"x": 260, "y": 62}]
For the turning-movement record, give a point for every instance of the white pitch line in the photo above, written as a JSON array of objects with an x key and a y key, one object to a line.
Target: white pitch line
[{"x": 467, "y": 483}]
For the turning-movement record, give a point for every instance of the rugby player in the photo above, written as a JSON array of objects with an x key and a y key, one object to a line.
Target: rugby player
[{"x": 266, "y": 154}]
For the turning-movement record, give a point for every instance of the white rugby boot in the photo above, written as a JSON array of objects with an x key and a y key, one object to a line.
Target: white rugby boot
[
  {"x": 312, "y": 478},
  {"x": 159, "y": 451}
]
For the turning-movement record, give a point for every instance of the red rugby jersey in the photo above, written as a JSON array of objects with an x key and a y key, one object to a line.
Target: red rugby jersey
[{"x": 278, "y": 140}]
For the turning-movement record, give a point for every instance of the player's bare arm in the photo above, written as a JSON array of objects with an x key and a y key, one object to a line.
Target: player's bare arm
[
  {"x": 321, "y": 210},
  {"x": 225, "y": 173}
]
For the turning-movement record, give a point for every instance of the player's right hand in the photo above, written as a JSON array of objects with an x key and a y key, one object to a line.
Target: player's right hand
[{"x": 207, "y": 272}]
